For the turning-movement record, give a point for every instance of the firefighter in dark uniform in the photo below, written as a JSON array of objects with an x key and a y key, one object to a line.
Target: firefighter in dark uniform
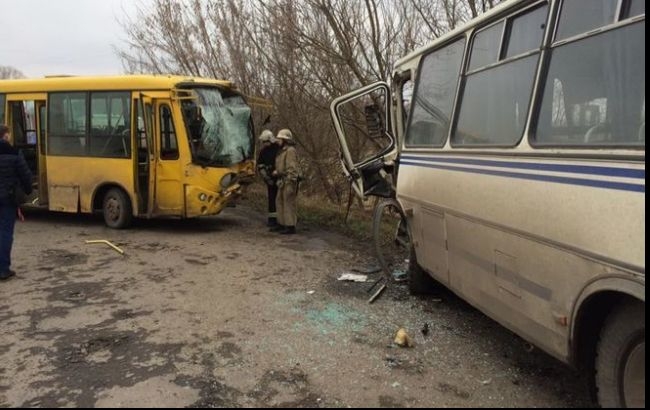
[{"x": 265, "y": 167}]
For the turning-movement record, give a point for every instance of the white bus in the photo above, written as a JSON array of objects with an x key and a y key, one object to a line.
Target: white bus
[{"x": 515, "y": 148}]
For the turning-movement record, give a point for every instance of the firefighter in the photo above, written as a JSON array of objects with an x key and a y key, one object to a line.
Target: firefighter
[
  {"x": 288, "y": 177},
  {"x": 266, "y": 166}
]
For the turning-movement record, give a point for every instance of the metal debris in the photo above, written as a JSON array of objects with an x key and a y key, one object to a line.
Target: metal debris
[
  {"x": 376, "y": 294},
  {"x": 353, "y": 277},
  {"x": 120, "y": 251}
]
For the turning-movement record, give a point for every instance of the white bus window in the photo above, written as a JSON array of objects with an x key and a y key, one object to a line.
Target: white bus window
[
  {"x": 485, "y": 47},
  {"x": 602, "y": 93},
  {"x": 495, "y": 101},
  {"x": 525, "y": 33},
  {"x": 558, "y": 110},
  {"x": 434, "y": 96},
  {"x": 495, "y": 104},
  {"x": 580, "y": 16},
  {"x": 68, "y": 123},
  {"x": 634, "y": 8}
]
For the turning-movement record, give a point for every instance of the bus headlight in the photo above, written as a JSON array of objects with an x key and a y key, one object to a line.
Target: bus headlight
[
  {"x": 202, "y": 197},
  {"x": 227, "y": 180}
]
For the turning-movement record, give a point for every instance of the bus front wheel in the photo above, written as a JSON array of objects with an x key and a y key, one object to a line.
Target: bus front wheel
[
  {"x": 117, "y": 209},
  {"x": 620, "y": 361},
  {"x": 420, "y": 283}
]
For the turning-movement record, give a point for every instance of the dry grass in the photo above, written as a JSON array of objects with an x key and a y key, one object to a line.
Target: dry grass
[{"x": 317, "y": 213}]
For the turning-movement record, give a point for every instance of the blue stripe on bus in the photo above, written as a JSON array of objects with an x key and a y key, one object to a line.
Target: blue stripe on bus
[
  {"x": 574, "y": 169},
  {"x": 621, "y": 186}
]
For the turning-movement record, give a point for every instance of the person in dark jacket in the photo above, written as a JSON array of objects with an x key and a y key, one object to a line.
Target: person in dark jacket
[
  {"x": 14, "y": 175},
  {"x": 266, "y": 166}
]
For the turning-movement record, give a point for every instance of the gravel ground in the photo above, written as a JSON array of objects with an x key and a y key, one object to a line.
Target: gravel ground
[{"x": 218, "y": 312}]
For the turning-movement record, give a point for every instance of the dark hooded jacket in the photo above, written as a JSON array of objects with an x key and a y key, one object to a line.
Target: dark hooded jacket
[{"x": 14, "y": 173}]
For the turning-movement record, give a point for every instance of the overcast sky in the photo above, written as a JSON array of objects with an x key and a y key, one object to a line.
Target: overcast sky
[{"x": 48, "y": 37}]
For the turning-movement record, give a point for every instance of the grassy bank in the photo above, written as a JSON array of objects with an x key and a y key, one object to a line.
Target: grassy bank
[{"x": 316, "y": 213}]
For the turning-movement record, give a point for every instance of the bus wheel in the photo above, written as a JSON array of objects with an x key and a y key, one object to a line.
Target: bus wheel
[
  {"x": 620, "y": 360},
  {"x": 420, "y": 283},
  {"x": 390, "y": 238},
  {"x": 117, "y": 209}
]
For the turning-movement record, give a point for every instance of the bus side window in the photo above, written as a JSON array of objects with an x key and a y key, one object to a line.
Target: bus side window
[
  {"x": 595, "y": 91},
  {"x": 110, "y": 133},
  {"x": 496, "y": 97},
  {"x": 67, "y": 123},
  {"x": 168, "y": 142},
  {"x": 433, "y": 96}
]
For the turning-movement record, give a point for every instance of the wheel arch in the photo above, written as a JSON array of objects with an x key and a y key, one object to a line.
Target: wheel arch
[
  {"x": 591, "y": 309},
  {"x": 102, "y": 189}
]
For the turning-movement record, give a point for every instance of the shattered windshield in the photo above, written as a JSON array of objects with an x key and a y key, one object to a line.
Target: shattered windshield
[{"x": 219, "y": 125}]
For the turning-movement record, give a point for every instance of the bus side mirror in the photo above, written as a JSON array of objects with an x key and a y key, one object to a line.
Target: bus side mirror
[{"x": 374, "y": 121}]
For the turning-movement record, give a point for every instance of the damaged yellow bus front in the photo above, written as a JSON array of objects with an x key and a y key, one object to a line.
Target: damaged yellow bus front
[{"x": 131, "y": 146}]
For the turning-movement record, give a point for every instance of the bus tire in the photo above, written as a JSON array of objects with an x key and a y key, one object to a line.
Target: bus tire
[
  {"x": 419, "y": 281},
  {"x": 117, "y": 209},
  {"x": 620, "y": 358},
  {"x": 379, "y": 214}
]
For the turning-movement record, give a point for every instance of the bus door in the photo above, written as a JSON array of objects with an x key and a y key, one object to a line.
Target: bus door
[
  {"x": 368, "y": 155},
  {"x": 165, "y": 173},
  {"x": 26, "y": 120},
  {"x": 41, "y": 129},
  {"x": 144, "y": 147}
]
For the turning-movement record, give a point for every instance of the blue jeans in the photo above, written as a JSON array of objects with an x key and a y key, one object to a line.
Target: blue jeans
[{"x": 7, "y": 222}]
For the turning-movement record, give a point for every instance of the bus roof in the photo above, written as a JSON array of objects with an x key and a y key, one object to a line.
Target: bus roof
[
  {"x": 500, "y": 8},
  {"x": 120, "y": 82}
]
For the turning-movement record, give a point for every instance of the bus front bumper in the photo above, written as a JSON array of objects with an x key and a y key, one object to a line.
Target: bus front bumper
[{"x": 202, "y": 202}]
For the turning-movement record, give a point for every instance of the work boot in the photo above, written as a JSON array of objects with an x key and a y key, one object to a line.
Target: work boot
[
  {"x": 290, "y": 230},
  {"x": 277, "y": 228},
  {"x": 271, "y": 222},
  {"x": 7, "y": 274}
]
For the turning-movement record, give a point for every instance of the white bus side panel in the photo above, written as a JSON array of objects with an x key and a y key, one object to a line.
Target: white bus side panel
[{"x": 522, "y": 246}]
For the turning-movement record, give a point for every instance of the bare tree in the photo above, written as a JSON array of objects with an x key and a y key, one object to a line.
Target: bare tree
[
  {"x": 8, "y": 72},
  {"x": 297, "y": 54}
]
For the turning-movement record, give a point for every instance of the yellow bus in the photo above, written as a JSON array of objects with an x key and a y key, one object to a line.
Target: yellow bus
[
  {"x": 514, "y": 152},
  {"x": 131, "y": 146}
]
